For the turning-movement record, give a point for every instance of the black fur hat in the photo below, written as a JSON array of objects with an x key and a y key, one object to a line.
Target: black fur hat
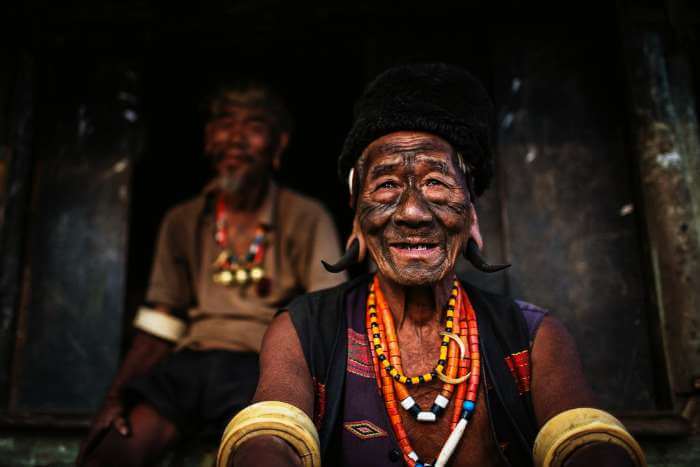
[{"x": 436, "y": 98}]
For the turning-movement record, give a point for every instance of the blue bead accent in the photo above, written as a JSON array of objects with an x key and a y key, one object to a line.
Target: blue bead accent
[
  {"x": 420, "y": 464},
  {"x": 468, "y": 406}
]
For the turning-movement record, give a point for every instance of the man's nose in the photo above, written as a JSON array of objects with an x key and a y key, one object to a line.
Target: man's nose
[
  {"x": 236, "y": 135},
  {"x": 413, "y": 210}
]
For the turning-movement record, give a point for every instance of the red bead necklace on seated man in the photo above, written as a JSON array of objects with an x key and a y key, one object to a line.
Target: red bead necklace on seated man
[
  {"x": 454, "y": 356},
  {"x": 229, "y": 269}
]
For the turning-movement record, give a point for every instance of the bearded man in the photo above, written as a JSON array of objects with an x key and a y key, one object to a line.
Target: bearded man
[
  {"x": 225, "y": 262},
  {"x": 412, "y": 365}
]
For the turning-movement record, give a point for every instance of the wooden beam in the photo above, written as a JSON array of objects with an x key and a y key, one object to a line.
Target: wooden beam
[{"x": 664, "y": 127}]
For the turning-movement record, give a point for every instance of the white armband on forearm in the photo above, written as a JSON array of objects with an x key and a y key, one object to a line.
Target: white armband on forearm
[{"x": 159, "y": 324}]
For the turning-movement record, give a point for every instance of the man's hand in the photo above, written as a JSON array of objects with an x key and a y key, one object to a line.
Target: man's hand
[
  {"x": 146, "y": 350},
  {"x": 111, "y": 414}
]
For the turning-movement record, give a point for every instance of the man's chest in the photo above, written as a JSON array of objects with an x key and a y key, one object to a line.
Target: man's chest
[
  {"x": 256, "y": 299},
  {"x": 477, "y": 447}
]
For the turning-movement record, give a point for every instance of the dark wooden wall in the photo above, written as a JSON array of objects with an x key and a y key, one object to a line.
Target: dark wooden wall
[
  {"x": 77, "y": 240},
  {"x": 570, "y": 203}
]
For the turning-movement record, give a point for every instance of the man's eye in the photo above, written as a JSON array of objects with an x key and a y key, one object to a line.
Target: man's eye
[
  {"x": 433, "y": 182},
  {"x": 257, "y": 127},
  {"x": 219, "y": 125},
  {"x": 387, "y": 185}
]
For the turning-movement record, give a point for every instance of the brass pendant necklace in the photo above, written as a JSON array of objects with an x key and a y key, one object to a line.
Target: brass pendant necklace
[{"x": 229, "y": 269}]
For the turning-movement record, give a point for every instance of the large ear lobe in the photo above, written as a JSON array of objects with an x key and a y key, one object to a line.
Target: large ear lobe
[
  {"x": 348, "y": 259},
  {"x": 472, "y": 250},
  {"x": 355, "y": 251},
  {"x": 474, "y": 231},
  {"x": 357, "y": 234},
  {"x": 282, "y": 143}
]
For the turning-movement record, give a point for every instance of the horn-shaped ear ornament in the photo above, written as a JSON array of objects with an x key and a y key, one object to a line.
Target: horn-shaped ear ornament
[
  {"x": 473, "y": 254},
  {"x": 351, "y": 257}
]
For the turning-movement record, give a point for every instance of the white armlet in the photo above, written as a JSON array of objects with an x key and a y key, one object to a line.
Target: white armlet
[{"x": 159, "y": 324}]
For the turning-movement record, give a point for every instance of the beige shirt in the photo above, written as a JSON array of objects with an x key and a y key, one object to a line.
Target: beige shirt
[{"x": 301, "y": 233}]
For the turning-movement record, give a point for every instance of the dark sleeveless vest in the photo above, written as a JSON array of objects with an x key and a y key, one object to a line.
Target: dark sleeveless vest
[{"x": 322, "y": 321}]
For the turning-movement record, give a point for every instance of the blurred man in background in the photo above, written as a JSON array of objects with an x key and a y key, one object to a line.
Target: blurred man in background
[{"x": 225, "y": 262}]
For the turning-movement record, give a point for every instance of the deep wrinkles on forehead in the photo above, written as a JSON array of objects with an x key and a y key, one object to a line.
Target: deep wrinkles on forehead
[{"x": 407, "y": 145}]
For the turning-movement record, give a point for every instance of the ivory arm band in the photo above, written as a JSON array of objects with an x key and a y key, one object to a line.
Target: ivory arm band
[
  {"x": 272, "y": 418},
  {"x": 575, "y": 428},
  {"x": 159, "y": 324}
]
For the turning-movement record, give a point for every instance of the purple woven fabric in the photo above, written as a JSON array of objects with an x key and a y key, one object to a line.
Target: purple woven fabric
[
  {"x": 533, "y": 316},
  {"x": 367, "y": 438}
]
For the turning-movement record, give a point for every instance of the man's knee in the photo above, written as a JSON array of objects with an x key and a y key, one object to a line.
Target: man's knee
[
  {"x": 114, "y": 449},
  {"x": 150, "y": 434}
]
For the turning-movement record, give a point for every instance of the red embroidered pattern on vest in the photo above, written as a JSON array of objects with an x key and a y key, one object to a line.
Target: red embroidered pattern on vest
[
  {"x": 519, "y": 366},
  {"x": 319, "y": 402},
  {"x": 359, "y": 358}
]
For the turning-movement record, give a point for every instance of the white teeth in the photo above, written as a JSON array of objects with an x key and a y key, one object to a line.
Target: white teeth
[{"x": 414, "y": 247}]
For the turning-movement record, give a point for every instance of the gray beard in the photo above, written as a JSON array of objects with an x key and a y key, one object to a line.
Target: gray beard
[{"x": 231, "y": 182}]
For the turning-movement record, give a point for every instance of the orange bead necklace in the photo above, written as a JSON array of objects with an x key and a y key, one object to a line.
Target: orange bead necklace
[
  {"x": 382, "y": 335},
  {"x": 449, "y": 357}
]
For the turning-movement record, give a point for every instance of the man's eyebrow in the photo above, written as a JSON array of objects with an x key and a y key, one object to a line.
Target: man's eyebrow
[
  {"x": 390, "y": 167},
  {"x": 382, "y": 169},
  {"x": 254, "y": 115},
  {"x": 437, "y": 165}
]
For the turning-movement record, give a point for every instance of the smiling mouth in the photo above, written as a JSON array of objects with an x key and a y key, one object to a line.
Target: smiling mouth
[
  {"x": 414, "y": 246},
  {"x": 234, "y": 160},
  {"x": 417, "y": 249}
]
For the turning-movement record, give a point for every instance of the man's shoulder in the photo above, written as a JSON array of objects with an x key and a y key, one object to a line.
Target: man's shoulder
[
  {"x": 186, "y": 211},
  {"x": 533, "y": 316},
  {"x": 318, "y": 319},
  {"x": 486, "y": 297},
  {"x": 295, "y": 203},
  {"x": 500, "y": 298},
  {"x": 320, "y": 301},
  {"x": 528, "y": 308},
  {"x": 505, "y": 307}
]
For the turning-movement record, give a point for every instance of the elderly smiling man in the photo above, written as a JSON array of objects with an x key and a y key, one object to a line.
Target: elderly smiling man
[{"x": 412, "y": 365}]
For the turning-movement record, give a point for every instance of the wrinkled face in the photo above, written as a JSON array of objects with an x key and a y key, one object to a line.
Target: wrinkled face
[
  {"x": 413, "y": 207},
  {"x": 242, "y": 141}
]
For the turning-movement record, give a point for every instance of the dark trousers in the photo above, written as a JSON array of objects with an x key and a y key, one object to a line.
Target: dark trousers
[{"x": 199, "y": 391}]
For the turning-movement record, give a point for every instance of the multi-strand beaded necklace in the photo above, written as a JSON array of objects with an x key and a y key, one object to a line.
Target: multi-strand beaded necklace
[
  {"x": 229, "y": 270},
  {"x": 458, "y": 365}
]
